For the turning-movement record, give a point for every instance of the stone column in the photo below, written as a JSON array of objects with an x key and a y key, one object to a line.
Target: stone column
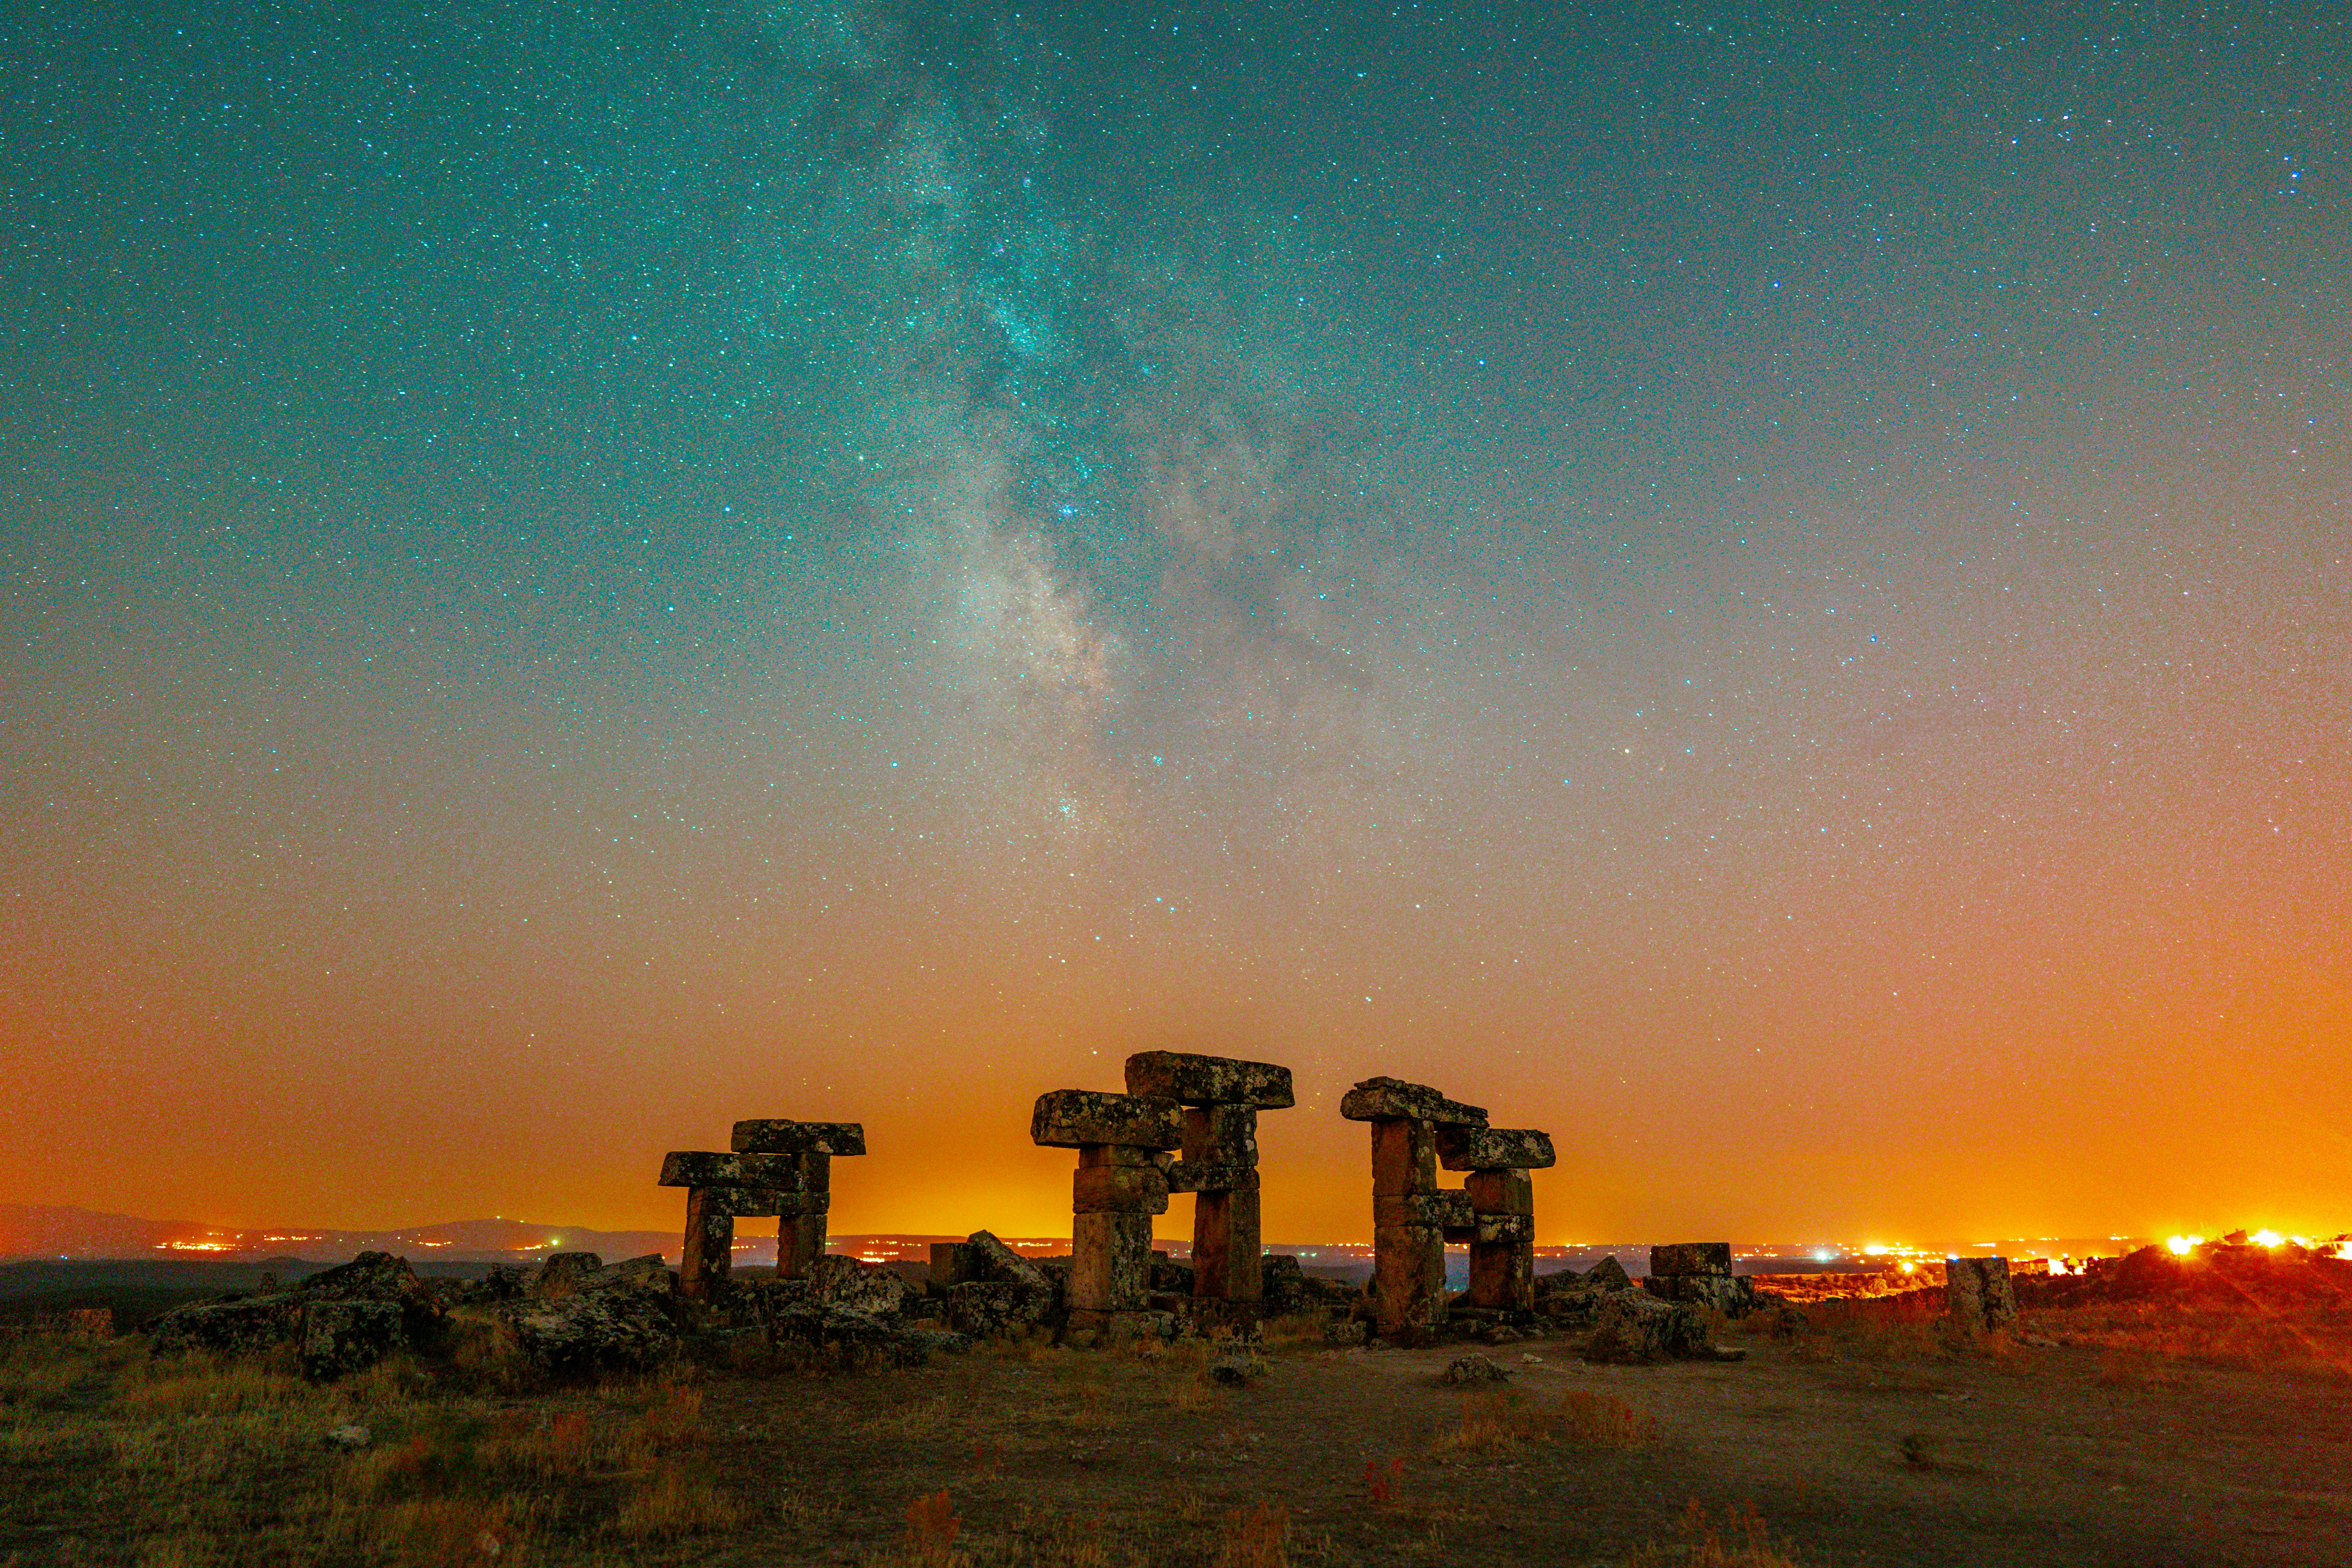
[
  {"x": 720, "y": 1188},
  {"x": 1119, "y": 1185},
  {"x": 1503, "y": 1206},
  {"x": 1412, "y": 1217},
  {"x": 801, "y": 1234},
  {"x": 1222, "y": 1096},
  {"x": 1978, "y": 1293}
]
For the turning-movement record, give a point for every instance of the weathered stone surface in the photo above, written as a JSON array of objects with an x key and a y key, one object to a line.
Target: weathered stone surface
[
  {"x": 1190, "y": 1176},
  {"x": 1978, "y": 1292},
  {"x": 1494, "y": 1148},
  {"x": 991, "y": 1260},
  {"x": 563, "y": 1273},
  {"x": 1635, "y": 1326},
  {"x": 1120, "y": 1155},
  {"x": 837, "y": 1281},
  {"x": 595, "y": 1332},
  {"x": 1169, "y": 1278},
  {"x": 1221, "y": 1134},
  {"x": 1228, "y": 1243},
  {"x": 759, "y": 1203},
  {"x": 1074, "y": 1118},
  {"x": 1691, "y": 1257},
  {"x": 1110, "y": 1262},
  {"x": 859, "y": 1337},
  {"x": 1409, "y": 1279},
  {"x": 1514, "y": 1228},
  {"x": 1386, "y": 1098},
  {"x": 376, "y": 1277},
  {"x": 702, "y": 1168},
  {"x": 1503, "y": 1271},
  {"x": 348, "y": 1336},
  {"x": 1732, "y": 1296},
  {"x": 708, "y": 1255},
  {"x": 1501, "y": 1192},
  {"x": 1576, "y": 1306},
  {"x": 952, "y": 1263},
  {"x": 1282, "y": 1286},
  {"x": 774, "y": 1135},
  {"x": 1113, "y": 1328},
  {"x": 1119, "y": 1189},
  {"x": 1191, "y": 1079},
  {"x": 988, "y": 1309},
  {"x": 1404, "y": 1158},
  {"x": 237, "y": 1328},
  {"x": 1447, "y": 1210},
  {"x": 800, "y": 1241}
]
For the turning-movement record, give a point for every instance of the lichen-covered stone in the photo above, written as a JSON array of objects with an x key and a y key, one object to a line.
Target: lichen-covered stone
[
  {"x": 1119, "y": 1189},
  {"x": 1978, "y": 1292},
  {"x": 1494, "y": 1148},
  {"x": 1388, "y": 1098},
  {"x": 1691, "y": 1257},
  {"x": 1228, "y": 1246},
  {"x": 234, "y": 1328},
  {"x": 591, "y": 1332},
  {"x": 1507, "y": 1191},
  {"x": 1074, "y": 1118},
  {"x": 1110, "y": 1262},
  {"x": 564, "y": 1272},
  {"x": 1472, "y": 1371},
  {"x": 703, "y": 1168},
  {"x": 764, "y": 1203},
  {"x": 952, "y": 1263},
  {"x": 1191, "y": 1079},
  {"x": 989, "y": 1308},
  {"x": 1725, "y": 1293},
  {"x": 837, "y": 1281},
  {"x": 1609, "y": 1275},
  {"x": 991, "y": 1260},
  {"x": 776, "y": 1135},
  {"x": 1635, "y": 1326},
  {"x": 1404, "y": 1158},
  {"x": 1193, "y": 1176},
  {"x": 1489, "y": 1228},
  {"x": 1447, "y": 1210},
  {"x": 339, "y": 1337},
  {"x": 1409, "y": 1279},
  {"x": 1221, "y": 1134}
]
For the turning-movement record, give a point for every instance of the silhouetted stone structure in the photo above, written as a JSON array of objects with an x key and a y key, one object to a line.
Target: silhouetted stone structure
[
  {"x": 1121, "y": 1185},
  {"x": 1502, "y": 1207},
  {"x": 1220, "y": 1097},
  {"x": 1978, "y": 1292},
  {"x": 1412, "y": 1218},
  {"x": 778, "y": 1167},
  {"x": 1698, "y": 1273}
]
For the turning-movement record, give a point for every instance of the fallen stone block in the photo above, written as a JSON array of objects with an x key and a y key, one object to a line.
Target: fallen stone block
[
  {"x": 1461, "y": 1148},
  {"x": 339, "y": 1337},
  {"x": 701, "y": 1168},
  {"x": 952, "y": 1263},
  {"x": 1633, "y": 1326},
  {"x": 1609, "y": 1275},
  {"x": 1732, "y": 1296},
  {"x": 1473, "y": 1370},
  {"x": 1391, "y": 1099},
  {"x": 562, "y": 1273},
  {"x": 991, "y": 1260},
  {"x": 780, "y": 1136},
  {"x": 1074, "y": 1118},
  {"x": 234, "y": 1328},
  {"x": 592, "y": 1333},
  {"x": 1691, "y": 1257},
  {"x": 1191, "y": 1079},
  {"x": 846, "y": 1282}
]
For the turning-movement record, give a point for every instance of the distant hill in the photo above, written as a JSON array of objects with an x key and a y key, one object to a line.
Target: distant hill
[{"x": 51, "y": 1231}]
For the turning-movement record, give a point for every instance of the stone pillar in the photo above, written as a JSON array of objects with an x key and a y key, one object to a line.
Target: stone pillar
[
  {"x": 1503, "y": 1204},
  {"x": 1222, "y": 1096},
  {"x": 812, "y": 1145},
  {"x": 1118, "y": 1186},
  {"x": 1978, "y": 1293},
  {"x": 1412, "y": 1217},
  {"x": 1697, "y": 1272},
  {"x": 718, "y": 1189}
]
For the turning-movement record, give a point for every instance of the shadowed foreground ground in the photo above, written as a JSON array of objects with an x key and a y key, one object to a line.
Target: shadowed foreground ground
[{"x": 1868, "y": 1440}]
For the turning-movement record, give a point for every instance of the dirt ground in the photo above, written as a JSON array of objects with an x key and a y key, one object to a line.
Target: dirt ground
[{"x": 2120, "y": 1447}]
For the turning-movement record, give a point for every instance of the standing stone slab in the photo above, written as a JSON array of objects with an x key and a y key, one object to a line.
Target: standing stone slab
[
  {"x": 1228, "y": 1247},
  {"x": 1191, "y": 1079},
  {"x": 1404, "y": 1157},
  {"x": 710, "y": 1251},
  {"x": 1978, "y": 1292},
  {"x": 1408, "y": 1274},
  {"x": 1110, "y": 1262}
]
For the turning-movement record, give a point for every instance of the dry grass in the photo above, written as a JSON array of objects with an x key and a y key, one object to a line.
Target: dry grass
[
  {"x": 676, "y": 1502},
  {"x": 1742, "y": 1541},
  {"x": 2139, "y": 1337},
  {"x": 1501, "y": 1420},
  {"x": 1255, "y": 1538}
]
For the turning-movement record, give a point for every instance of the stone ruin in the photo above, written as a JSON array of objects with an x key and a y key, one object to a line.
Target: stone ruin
[
  {"x": 1978, "y": 1293},
  {"x": 776, "y": 1167},
  {"x": 1218, "y": 1164},
  {"x": 1121, "y": 1183},
  {"x": 1414, "y": 1128}
]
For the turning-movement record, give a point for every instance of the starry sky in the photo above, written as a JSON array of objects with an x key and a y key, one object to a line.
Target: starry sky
[{"x": 1764, "y": 588}]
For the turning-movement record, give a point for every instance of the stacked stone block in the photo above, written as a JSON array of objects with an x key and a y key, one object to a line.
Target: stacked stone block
[
  {"x": 778, "y": 1168},
  {"x": 1119, "y": 1185},
  {"x": 1502, "y": 1206},
  {"x": 1697, "y": 1272},
  {"x": 1413, "y": 1218},
  {"x": 1220, "y": 1097}
]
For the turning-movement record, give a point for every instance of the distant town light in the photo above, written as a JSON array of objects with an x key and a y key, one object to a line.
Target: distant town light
[{"x": 2181, "y": 1245}]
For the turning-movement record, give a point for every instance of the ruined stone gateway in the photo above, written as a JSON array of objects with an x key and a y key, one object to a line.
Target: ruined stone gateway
[{"x": 776, "y": 1168}]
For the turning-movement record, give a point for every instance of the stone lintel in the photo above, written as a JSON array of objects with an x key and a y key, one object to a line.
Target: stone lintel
[
  {"x": 1074, "y": 1118},
  {"x": 775, "y": 1135},
  {"x": 1388, "y": 1098},
  {"x": 1494, "y": 1149},
  {"x": 1191, "y": 1079},
  {"x": 696, "y": 1168}
]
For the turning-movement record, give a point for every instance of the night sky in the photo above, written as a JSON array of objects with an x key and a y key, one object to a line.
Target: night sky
[{"x": 1767, "y": 589}]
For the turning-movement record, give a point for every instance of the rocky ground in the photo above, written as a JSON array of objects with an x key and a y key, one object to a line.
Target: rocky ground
[{"x": 373, "y": 1418}]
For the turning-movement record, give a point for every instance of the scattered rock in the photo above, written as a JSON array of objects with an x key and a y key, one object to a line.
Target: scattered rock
[
  {"x": 1608, "y": 1275},
  {"x": 1471, "y": 1370},
  {"x": 1236, "y": 1370},
  {"x": 846, "y": 1282},
  {"x": 340, "y": 1337},
  {"x": 1345, "y": 1332},
  {"x": 354, "y": 1436},
  {"x": 564, "y": 1273},
  {"x": 988, "y": 1309},
  {"x": 616, "y": 1328},
  {"x": 1172, "y": 1278}
]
